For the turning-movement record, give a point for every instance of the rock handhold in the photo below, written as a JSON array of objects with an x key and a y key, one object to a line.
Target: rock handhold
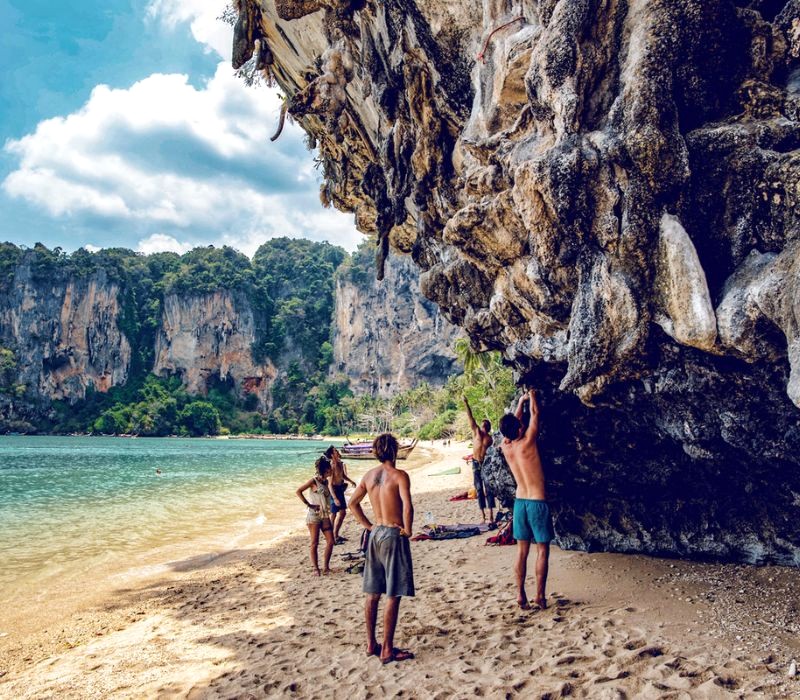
[{"x": 295, "y": 9}]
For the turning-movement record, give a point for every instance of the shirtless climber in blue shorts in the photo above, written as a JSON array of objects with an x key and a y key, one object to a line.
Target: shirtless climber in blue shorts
[{"x": 532, "y": 520}]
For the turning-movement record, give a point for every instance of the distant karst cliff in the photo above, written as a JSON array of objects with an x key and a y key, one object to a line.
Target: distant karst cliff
[
  {"x": 72, "y": 327},
  {"x": 609, "y": 193},
  {"x": 387, "y": 337},
  {"x": 65, "y": 333}
]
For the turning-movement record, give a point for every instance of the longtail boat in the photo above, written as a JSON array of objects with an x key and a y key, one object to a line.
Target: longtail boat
[{"x": 363, "y": 450}]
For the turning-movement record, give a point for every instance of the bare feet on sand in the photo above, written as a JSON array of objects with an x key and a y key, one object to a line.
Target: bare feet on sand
[
  {"x": 374, "y": 650},
  {"x": 542, "y": 603},
  {"x": 523, "y": 603}
]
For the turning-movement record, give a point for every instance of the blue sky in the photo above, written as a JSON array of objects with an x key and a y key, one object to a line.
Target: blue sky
[{"x": 122, "y": 124}]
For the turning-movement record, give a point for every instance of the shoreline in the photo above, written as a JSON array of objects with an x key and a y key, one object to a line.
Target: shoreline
[{"x": 251, "y": 621}]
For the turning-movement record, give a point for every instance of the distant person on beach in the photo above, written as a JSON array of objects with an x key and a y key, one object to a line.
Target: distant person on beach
[
  {"x": 338, "y": 487},
  {"x": 481, "y": 441},
  {"x": 532, "y": 519},
  {"x": 388, "y": 566},
  {"x": 319, "y": 514}
]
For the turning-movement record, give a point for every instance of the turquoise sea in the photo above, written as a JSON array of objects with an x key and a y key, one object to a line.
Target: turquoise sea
[{"x": 72, "y": 505}]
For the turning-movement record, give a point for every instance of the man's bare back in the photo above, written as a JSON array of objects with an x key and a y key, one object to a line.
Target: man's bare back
[
  {"x": 533, "y": 522},
  {"x": 481, "y": 441},
  {"x": 522, "y": 454},
  {"x": 388, "y": 488}
]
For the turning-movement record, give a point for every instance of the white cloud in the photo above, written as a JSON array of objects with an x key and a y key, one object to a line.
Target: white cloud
[
  {"x": 92, "y": 248},
  {"x": 187, "y": 162},
  {"x": 201, "y": 16},
  {"x": 161, "y": 243}
]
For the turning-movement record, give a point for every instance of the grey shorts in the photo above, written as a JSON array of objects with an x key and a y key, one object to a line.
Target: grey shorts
[{"x": 388, "y": 566}]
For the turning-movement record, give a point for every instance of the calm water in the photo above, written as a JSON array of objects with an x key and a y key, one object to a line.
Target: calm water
[{"x": 71, "y": 504}]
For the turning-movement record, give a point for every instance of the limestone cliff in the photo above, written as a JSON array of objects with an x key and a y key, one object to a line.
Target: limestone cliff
[
  {"x": 92, "y": 321},
  {"x": 387, "y": 337},
  {"x": 65, "y": 334},
  {"x": 210, "y": 337},
  {"x": 607, "y": 192}
]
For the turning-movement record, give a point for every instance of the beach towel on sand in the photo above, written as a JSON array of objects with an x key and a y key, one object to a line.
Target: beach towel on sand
[
  {"x": 451, "y": 532},
  {"x": 448, "y": 472}
]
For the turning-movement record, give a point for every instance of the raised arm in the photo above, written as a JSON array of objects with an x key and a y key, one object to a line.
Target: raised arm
[
  {"x": 408, "y": 507},
  {"x": 533, "y": 427},
  {"x": 518, "y": 412},
  {"x": 355, "y": 505},
  {"x": 472, "y": 424},
  {"x": 346, "y": 477},
  {"x": 301, "y": 493}
]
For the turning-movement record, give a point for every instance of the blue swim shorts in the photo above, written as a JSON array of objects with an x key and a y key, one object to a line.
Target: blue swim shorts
[{"x": 532, "y": 521}]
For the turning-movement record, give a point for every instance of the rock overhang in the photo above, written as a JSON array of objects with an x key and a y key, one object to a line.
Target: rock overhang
[{"x": 609, "y": 195}]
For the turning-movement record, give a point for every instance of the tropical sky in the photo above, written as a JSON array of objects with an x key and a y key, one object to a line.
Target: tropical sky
[{"x": 122, "y": 124}]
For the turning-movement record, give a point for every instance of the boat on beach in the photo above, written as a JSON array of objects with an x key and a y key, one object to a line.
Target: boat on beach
[{"x": 363, "y": 450}]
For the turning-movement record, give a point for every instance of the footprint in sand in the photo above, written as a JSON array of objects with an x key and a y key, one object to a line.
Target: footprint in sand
[
  {"x": 634, "y": 644},
  {"x": 650, "y": 652}
]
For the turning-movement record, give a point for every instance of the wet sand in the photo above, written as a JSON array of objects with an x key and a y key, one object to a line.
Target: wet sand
[{"x": 252, "y": 622}]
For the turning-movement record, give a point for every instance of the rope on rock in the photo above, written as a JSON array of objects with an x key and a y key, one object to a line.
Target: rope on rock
[{"x": 482, "y": 53}]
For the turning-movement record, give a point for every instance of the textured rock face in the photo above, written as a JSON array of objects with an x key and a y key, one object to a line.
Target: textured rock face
[
  {"x": 209, "y": 337},
  {"x": 608, "y": 192},
  {"x": 65, "y": 335},
  {"x": 386, "y": 336}
]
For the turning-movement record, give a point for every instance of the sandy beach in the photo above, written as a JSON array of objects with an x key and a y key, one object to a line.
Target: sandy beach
[{"x": 253, "y": 623}]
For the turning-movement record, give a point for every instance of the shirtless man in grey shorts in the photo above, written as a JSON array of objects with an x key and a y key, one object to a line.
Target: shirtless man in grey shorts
[{"x": 388, "y": 566}]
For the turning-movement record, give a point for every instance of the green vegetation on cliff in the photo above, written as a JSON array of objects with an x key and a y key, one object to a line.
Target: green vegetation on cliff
[
  {"x": 296, "y": 277},
  {"x": 8, "y": 374}
]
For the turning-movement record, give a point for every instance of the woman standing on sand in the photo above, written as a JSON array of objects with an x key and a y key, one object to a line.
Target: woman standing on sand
[{"x": 319, "y": 512}]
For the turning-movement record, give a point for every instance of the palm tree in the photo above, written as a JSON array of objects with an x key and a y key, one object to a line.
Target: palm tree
[{"x": 471, "y": 360}]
